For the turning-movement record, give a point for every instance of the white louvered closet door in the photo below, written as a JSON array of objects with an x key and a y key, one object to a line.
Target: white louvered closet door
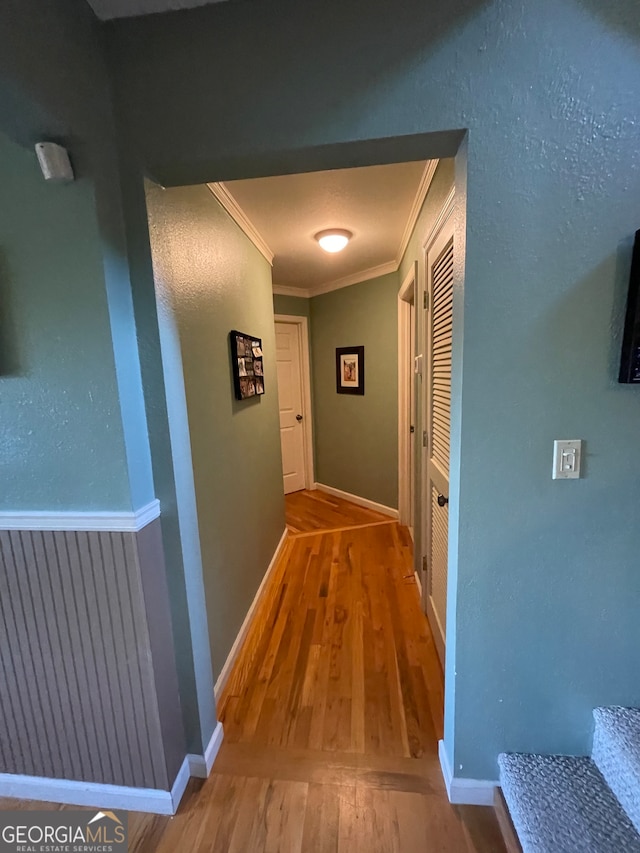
[{"x": 439, "y": 328}]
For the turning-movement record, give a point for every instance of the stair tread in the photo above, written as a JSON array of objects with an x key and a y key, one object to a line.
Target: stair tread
[
  {"x": 616, "y": 752},
  {"x": 623, "y": 726},
  {"x": 562, "y": 804}
]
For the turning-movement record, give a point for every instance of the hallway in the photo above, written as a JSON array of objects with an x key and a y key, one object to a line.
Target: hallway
[
  {"x": 332, "y": 714},
  {"x": 333, "y": 711},
  {"x": 341, "y": 658}
]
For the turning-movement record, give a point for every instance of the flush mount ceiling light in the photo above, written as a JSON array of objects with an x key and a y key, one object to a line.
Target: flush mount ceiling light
[{"x": 333, "y": 239}]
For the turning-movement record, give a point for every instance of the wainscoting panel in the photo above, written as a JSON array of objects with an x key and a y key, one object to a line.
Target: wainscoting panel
[{"x": 78, "y": 696}]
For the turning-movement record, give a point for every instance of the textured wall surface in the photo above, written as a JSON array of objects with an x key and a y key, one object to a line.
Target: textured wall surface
[
  {"x": 61, "y": 438},
  {"x": 544, "y": 583},
  {"x": 75, "y": 432},
  {"x": 79, "y": 429},
  {"x": 211, "y": 279},
  {"x": 356, "y": 437},
  {"x": 79, "y": 698}
]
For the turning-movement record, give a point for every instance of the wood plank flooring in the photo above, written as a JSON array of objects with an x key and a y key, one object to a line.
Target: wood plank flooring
[
  {"x": 315, "y": 510},
  {"x": 331, "y": 715},
  {"x": 342, "y": 657}
]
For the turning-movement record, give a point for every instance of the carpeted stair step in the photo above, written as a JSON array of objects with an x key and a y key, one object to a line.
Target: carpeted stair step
[
  {"x": 561, "y": 804},
  {"x": 616, "y": 751}
]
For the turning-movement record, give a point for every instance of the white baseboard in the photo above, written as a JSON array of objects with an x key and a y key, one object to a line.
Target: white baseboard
[
  {"x": 418, "y": 583},
  {"x": 465, "y": 792},
  {"x": 225, "y": 672},
  {"x": 95, "y": 521},
  {"x": 200, "y": 765},
  {"x": 74, "y": 793},
  {"x": 100, "y": 796},
  {"x": 179, "y": 786},
  {"x": 356, "y": 499}
]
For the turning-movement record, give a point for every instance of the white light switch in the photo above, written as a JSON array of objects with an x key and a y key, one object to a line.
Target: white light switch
[{"x": 566, "y": 459}]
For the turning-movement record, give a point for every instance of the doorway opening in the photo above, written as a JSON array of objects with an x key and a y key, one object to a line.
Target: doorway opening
[
  {"x": 323, "y": 665},
  {"x": 407, "y": 366},
  {"x": 294, "y": 401}
]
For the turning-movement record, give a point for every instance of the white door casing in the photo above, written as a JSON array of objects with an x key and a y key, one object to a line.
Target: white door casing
[
  {"x": 292, "y": 362},
  {"x": 406, "y": 397},
  {"x": 412, "y": 415},
  {"x": 437, "y": 420}
]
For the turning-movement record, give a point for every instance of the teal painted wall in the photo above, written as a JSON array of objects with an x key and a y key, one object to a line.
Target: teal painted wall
[
  {"x": 542, "y": 616},
  {"x": 63, "y": 442},
  {"x": 61, "y": 439},
  {"x": 292, "y": 305},
  {"x": 74, "y": 433},
  {"x": 356, "y": 437},
  {"x": 212, "y": 279}
]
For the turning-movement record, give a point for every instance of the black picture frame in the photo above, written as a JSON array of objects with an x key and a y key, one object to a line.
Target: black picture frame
[
  {"x": 246, "y": 356},
  {"x": 350, "y": 370}
]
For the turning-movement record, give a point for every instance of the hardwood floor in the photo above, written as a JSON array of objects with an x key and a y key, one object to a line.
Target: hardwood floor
[
  {"x": 331, "y": 715},
  {"x": 308, "y": 511},
  {"x": 341, "y": 657}
]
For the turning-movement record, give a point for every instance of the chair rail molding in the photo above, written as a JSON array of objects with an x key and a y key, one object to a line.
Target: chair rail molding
[{"x": 91, "y": 520}]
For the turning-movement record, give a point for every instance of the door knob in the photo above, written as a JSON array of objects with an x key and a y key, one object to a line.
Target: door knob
[
  {"x": 442, "y": 501},
  {"x": 298, "y": 418}
]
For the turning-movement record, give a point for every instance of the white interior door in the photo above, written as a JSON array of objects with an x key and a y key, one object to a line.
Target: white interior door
[
  {"x": 439, "y": 328},
  {"x": 290, "y": 395}
]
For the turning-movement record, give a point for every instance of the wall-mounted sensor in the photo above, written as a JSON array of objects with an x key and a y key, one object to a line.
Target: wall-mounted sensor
[{"x": 54, "y": 162}]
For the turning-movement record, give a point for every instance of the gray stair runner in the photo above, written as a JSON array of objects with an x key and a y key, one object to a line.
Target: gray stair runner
[
  {"x": 562, "y": 804},
  {"x": 616, "y": 751}
]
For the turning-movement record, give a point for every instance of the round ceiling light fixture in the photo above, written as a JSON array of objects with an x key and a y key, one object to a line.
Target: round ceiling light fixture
[{"x": 333, "y": 239}]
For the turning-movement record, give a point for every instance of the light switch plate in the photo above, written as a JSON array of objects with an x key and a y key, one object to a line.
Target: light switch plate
[{"x": 567, "y": 457}]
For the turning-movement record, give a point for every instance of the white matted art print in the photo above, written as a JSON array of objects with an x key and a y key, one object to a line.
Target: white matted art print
[{"x": 350, "y": 370}]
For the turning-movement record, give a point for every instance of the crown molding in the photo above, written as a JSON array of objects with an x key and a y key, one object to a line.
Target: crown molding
[
  {"x": 286, "y": 290},
  {"x": 354, "y": 278},
  {"x": 338, "y": 283},
  {"x": 241, "y": 219},
  {"x": 381, "y": 269},
  {"x": 416, "y": 207},
  {"x": 445, "y": 213}
]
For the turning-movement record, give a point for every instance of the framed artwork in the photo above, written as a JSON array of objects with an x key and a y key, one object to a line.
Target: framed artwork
[
  {"x": 246, "y": 365},
  {"x": 350, "y": 370}
]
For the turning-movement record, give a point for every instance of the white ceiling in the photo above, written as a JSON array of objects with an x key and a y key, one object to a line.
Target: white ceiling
[
  {"x": 106, "y": 9},
  {"x": 379, "y": 204}
]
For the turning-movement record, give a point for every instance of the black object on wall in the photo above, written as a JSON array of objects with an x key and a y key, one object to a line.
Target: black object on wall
[
  {"x": 630, "y": 361},
  {"x": 247, "y": 365},
  {"x": 350, "y": 370}
]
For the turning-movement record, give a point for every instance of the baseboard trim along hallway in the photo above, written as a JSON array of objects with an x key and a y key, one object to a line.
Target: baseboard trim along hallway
[
  {"x": 242, "y": 633},
  {"x": 465, "y": 792},
  {"x": 200, "y": 765},
  {"x": 75, "y": 793},
  {"x": 356, "y": 499}
]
